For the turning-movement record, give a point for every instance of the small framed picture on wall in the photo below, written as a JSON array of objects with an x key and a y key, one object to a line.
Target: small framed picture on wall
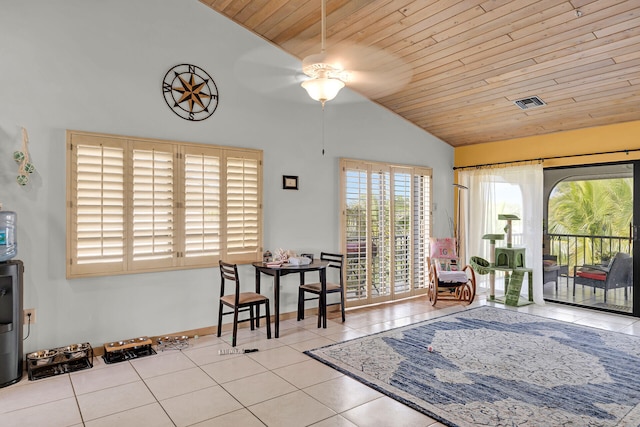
[{"x": 289, "y": 182}]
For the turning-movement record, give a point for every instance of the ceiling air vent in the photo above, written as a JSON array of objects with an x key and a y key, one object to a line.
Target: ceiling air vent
[{"x": 527, "y": 103}]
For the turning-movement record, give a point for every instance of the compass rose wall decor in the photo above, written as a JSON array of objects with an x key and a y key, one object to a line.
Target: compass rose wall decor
[{"x": 190, "y": 92}]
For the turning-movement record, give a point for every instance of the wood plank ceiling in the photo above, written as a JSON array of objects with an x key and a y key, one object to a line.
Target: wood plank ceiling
[{"x": 471, "y": 59}]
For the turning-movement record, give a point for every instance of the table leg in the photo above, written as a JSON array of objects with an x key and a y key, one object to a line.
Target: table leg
[
  {"x": 276, "y": 294},
  {"x": 301, "y": 295}
]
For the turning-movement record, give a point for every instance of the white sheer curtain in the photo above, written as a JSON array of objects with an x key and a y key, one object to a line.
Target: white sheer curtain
[{"x": 510, "y": 190}]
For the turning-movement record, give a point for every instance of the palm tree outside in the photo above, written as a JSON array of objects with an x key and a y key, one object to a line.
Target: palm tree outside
[{"x": 599, "y": 211}]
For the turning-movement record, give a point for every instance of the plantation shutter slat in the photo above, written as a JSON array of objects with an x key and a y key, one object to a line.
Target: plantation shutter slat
[{"x": 98, "y": 206}]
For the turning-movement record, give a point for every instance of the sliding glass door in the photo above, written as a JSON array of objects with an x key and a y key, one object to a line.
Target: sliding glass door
[
  {"x": 386, "y": 227},
  {"x": 589, "y": 236}
]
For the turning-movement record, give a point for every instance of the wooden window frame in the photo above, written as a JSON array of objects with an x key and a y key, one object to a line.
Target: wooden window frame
[{"x": 139, "y": 205}]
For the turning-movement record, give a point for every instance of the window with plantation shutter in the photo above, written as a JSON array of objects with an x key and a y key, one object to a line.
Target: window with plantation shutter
[
  {"x": 380, "y": 230},
  {"x": 153, "y": 200},
  {"x": 356, "y": 202},
  {"x": 202, "y": 205},
  {"x": 385, "y": 229},
  {"x": 98, "y": 170},
  {"x": 139, "y": 205},
  {"x": 243, "y": 206},
  {"x": 421, "y": 226},
  {"x": 401, "y": 230}
]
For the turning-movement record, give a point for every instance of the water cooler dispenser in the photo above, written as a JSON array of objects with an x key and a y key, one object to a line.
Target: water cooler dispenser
[{"x": 11, "y": 273}]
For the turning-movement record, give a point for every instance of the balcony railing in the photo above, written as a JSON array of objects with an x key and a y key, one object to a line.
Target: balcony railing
[{"x": 575, "y": 250}]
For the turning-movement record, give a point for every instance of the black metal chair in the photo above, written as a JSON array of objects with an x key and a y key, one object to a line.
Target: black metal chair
[
  {"x": 550, "y": 270},
  {"x": 239, "y": 302},
  {"x": 619, "y": 274},
  {"x": 336, "y": 261}
]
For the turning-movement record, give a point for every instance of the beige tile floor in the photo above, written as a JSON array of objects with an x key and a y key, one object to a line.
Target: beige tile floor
[{"x": 276, "y": 386}]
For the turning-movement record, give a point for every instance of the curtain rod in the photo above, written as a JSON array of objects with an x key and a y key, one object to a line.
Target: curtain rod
[{"x": 542, "y": 159}]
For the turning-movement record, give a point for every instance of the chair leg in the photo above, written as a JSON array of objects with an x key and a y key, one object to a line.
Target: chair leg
[
  {"x": 252, "y": 319},
  {"x": 300, "y": 304},
  {"x": 268, "y": 320},
  {"x": 234, "y": 338},
  {"x": 257, "y": 316},
  {"x": 322, "y": 309},
  {"x": 324, "y": 312},
  {"x": 342, "y": 304},
  {"x": 220, "y": 320}
]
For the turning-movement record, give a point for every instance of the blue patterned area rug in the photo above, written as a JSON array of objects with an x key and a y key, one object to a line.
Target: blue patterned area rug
[{"x": 496, "y": 367}]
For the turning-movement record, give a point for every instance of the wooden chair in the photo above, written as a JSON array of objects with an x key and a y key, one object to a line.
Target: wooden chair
[
  {"x": 336, "y": 261},
  {"x": 447, "y": 279},
  {"x": 239, "y": 302}
]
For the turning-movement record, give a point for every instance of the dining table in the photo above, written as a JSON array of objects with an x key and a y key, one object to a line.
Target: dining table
[{"x": 277, "y": 271}]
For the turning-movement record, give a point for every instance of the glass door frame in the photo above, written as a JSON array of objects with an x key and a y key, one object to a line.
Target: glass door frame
[
  {"x": 635, "y": 229},
  {"x": 554, "y": 176}
]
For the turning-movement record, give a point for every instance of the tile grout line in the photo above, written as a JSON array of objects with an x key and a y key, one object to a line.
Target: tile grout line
[{"x": 152, "y": 393}]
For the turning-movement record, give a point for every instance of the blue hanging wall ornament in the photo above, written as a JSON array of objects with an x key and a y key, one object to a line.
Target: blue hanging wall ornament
[{"x": 25, "y": 167}]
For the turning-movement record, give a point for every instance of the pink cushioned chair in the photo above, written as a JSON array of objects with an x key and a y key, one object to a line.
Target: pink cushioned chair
[{"x": 447, "y": 280}]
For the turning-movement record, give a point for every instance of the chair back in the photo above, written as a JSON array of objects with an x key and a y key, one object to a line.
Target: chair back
[
  {"x": 443, "y": 252},
  {"x": 335, "y": 261},
  {"x": 443, "y": 248},
  {"x": 229, "y": 272},
  {"x": 621, "y": 271}
]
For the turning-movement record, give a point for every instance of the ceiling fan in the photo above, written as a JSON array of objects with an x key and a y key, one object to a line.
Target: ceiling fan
[
  {"x": 327, "y": 75},
  {"x": 373, "y": 72}
]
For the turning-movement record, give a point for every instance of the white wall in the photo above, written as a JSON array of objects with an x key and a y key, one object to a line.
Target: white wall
[{"x": 98, "y": 66}]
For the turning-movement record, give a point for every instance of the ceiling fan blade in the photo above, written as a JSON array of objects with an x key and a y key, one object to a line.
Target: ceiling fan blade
[
  {"x": 371, "y": 71},
  {"x": 376, "y": 85},
  {"x": 274, "y": 75}
]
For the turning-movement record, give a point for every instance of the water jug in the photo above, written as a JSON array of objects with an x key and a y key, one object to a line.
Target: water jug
[{"x": 8, "y": 238}]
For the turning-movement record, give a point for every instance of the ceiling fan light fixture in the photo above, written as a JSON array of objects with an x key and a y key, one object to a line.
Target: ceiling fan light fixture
[
  {"x": 318, "y": 62},
  {"x": 323, "y": 89},
  {"x": 326, "y": 79}
]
